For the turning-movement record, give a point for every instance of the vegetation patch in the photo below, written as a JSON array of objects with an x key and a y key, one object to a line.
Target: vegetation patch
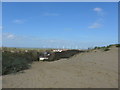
[
  {"x": 117, "y": 45},
  {"x": 64, "y": 54},
  {"x": 15, "y": 62},
  {"x": 106, "y": 49}
]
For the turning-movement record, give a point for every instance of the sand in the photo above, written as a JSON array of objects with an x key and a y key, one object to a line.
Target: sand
[{"x": 95, "y": 69}]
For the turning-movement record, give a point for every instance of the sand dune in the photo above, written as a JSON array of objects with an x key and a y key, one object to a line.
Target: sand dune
[{"x": 86, "y": 70}]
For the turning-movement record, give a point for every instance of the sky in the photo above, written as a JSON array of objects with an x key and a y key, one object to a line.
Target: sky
[{"x": 76, "y": 25}]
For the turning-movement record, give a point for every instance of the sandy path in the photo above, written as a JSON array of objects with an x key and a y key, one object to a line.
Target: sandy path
[{"x": 87, "y": 70}]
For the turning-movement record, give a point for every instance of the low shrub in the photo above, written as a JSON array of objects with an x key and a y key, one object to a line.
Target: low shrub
[
  {"x": 63, "y": 54},
  {"x": 117, "y": 45},
  {"x": 106, "y": 49},
  {"x": 97, "y": 47},
  {"x": 14, "y": 62}
]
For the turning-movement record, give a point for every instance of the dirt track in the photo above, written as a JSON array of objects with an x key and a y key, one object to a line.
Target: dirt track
[{"x": 86, "y": 70}]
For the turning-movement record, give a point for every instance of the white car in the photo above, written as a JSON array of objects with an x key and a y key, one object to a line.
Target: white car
[{"x": 42, "y": 58}]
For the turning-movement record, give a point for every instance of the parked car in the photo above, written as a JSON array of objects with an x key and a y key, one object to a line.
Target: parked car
[{"x": 46, "y": 56}]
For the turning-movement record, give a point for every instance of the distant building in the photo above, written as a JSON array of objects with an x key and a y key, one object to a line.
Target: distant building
[{"x": 57, "y": 50}]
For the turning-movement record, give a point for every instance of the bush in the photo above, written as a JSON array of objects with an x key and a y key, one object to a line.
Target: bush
[
  {"x": 63, "y": 54},
  {"x": 97, "y": 47},
  {"x": 103, "y": 48},
  {"x": 117, "y": 45},
  {"x": 106, "y": 49},
  {"x": 14, "y": 62},
  {"x": 34, "y": 55}
]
